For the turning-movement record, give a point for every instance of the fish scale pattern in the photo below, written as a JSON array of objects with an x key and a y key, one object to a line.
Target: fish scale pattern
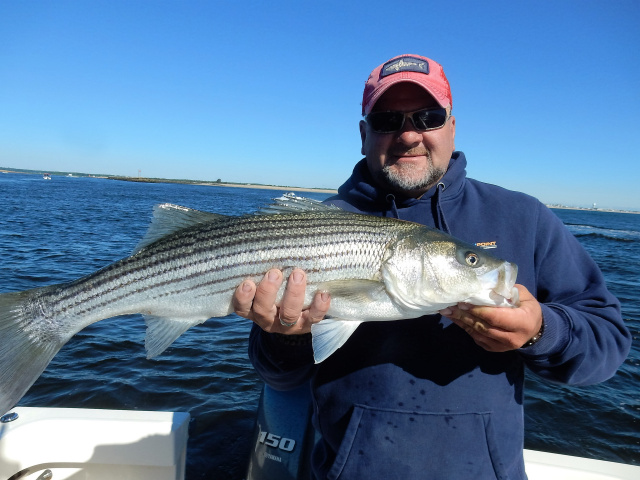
[{"x": 209, "y": 260}]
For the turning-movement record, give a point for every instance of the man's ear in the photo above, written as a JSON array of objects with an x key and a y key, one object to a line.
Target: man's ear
[
  {"x": 453, "y": 132},
  {"x": 363, "y": 135}
]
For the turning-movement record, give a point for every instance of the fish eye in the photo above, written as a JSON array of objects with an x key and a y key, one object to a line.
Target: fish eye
[
  {"x": 472, "y": 259},
  {"x": 469, "y": 258}
]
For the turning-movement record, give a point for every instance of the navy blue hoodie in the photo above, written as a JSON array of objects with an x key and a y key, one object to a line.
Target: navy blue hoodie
[{"x": 418, "y": 398}]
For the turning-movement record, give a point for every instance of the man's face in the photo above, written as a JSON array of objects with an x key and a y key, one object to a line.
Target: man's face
[{"x": 407, "y": 161}]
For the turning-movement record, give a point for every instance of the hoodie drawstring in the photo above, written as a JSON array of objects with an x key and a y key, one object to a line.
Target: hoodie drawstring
[
  {"x": 391, "y": 199},
  {"x": 438, "y": 214},
  {"x": 441, "y": 222}
]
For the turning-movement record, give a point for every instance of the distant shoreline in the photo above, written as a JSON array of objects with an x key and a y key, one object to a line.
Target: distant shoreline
[
  {"x": 224, "y": 184},
  {"x": 167, "y": 180},
  {"x": 261, "y": 187},
  {"x": 605, "y": 210}
]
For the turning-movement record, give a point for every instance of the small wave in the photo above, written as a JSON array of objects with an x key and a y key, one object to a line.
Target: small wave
[
  {"x": 606, "y": 237},
  {"x": 606, "y": 233}
]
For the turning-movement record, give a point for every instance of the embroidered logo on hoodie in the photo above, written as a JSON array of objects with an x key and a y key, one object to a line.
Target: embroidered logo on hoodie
[{"x": 487, "y": 245}]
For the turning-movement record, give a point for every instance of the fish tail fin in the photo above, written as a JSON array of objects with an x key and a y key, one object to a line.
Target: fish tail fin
[{"x": 25, "y": 349}]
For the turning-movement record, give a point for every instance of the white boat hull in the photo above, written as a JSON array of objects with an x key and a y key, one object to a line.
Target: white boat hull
[
  {"x": 93, "y": 444},
  {"x": 551, "y": 466}
]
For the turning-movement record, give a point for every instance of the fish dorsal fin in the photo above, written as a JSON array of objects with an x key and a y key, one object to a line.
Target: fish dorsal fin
[
  {"x": 291, "y": 203},
  {"x": 169, "y": 218},
  {"x": 162, "y": 332}
]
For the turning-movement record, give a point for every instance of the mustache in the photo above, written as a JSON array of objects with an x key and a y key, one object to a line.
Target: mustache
[{"x": 411, "y": 152}]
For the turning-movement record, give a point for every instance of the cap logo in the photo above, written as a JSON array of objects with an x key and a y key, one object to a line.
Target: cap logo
[{"x": 405, "y": 64}]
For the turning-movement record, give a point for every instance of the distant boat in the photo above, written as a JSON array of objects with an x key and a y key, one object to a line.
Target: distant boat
[
  {"x": 46, "y": 176},
  {"x": 70, "y": 175}
]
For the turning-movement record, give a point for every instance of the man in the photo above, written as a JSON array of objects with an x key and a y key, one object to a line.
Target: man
[{"x": 440, "y": 396}]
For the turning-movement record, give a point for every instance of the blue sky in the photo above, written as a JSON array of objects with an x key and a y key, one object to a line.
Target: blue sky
[{"x": 546, "y": 94}]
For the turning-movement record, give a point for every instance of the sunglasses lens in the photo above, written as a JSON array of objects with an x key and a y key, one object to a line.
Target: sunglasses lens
[
  {"x": 389, "y": 122},
  {"x": 429, "y": 119},
  {"x": 385, "y": 122}
]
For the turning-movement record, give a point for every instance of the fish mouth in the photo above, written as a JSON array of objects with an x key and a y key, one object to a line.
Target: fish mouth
[{"x": 505, "y": 289}]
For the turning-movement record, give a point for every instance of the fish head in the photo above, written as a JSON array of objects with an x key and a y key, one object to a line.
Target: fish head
[{"x": 431, "y": 270}]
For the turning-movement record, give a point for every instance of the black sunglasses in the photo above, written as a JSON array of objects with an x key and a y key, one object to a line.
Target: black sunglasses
[{"x": 390, "y": 122}]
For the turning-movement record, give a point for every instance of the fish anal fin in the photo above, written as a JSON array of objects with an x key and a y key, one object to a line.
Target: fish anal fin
[
  {"x": 162, "y": 332},
  {"x": 169, "y": 218},
  {"x": 329, "y": 335}
]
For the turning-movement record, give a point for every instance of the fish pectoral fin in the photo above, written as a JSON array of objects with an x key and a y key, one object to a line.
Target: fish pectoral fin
[
  {"x": 354, "y": 291},
  {"x": 329, "y": 335},
  {"x": 169, "y": 218},
  {"x": 162, "y": 332}
]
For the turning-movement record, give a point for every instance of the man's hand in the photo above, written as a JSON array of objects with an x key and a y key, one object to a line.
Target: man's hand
[
  {"x": 498, "y": 329},
  {"x": 258, "y": 303}
]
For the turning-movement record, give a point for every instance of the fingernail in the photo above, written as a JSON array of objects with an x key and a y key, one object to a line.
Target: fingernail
[
  {"x": 464, "y": 306},
  {"x": 246, "y": 287},
  {"x": 297, "y": 276},
  {"x": 446, "y": 312},
  {"x": 273, "y": 276},
  {"x": 324, "y": 296}
]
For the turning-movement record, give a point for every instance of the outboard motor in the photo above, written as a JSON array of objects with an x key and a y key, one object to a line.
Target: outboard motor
[{"x": 283, "y": 436}]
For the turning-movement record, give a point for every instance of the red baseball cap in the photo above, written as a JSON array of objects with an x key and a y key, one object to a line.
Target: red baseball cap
[{"x": 407, "y": 68}]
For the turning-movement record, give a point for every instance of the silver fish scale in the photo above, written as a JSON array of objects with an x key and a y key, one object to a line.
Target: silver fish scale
[{"x": 212, "y": 259}]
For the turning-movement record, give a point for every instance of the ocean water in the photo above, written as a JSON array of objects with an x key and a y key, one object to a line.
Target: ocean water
[{"x": 56, "y": 231}]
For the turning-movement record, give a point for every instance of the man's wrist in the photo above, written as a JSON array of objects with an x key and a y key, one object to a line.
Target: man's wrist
[{"x": 536, "y": 337}]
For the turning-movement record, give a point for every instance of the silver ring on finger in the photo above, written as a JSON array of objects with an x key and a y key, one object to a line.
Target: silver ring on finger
[{"x": 285, "y": 324}]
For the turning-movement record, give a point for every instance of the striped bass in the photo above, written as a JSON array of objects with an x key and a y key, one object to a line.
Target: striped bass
[{"x": 187, "y": 267}]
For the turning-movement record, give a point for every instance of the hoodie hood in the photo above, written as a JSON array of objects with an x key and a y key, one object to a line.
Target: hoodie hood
[{"x": 362, "y": 194}]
